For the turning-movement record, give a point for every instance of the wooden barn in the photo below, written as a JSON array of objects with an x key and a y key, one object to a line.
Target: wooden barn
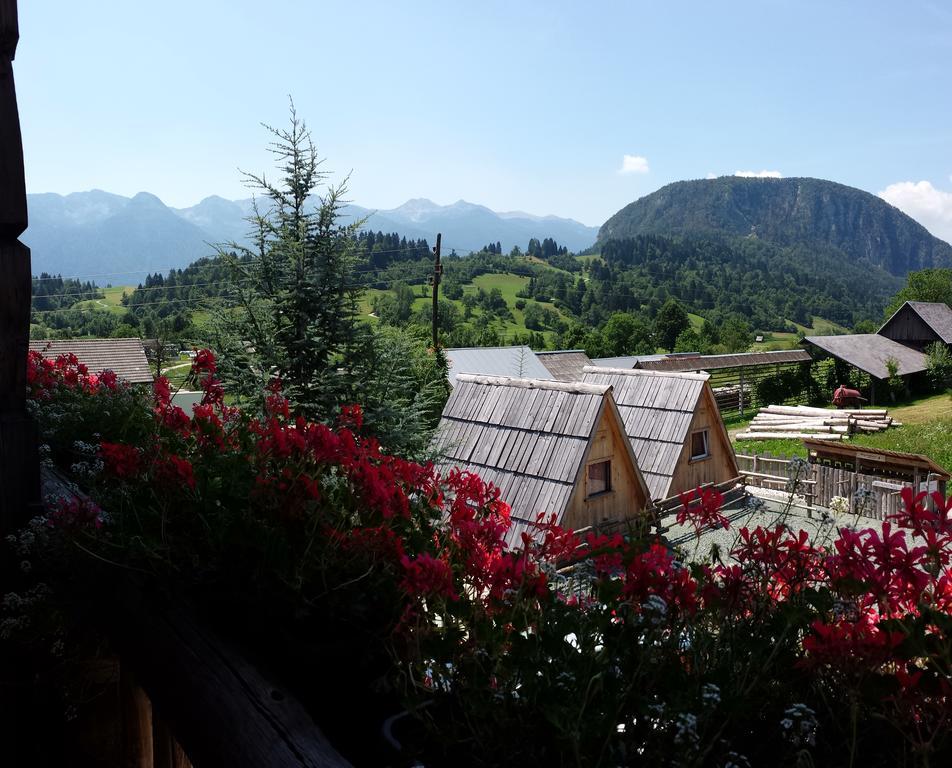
[
  {"x": 549, "y": 446},
  {"x": 917, "y": 324},
  {"x": 674, "y": 426}
]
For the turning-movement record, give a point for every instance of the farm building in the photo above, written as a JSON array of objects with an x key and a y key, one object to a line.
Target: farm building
[
  {"x": 565, "y": 364},
  {"x": 674, "y": 426},
  {"x": 736, "y": 378},
  {"x": 902, "y": 338},
  {"x": 124, "y": 357},
  {"x": 917, "y": 324},
  {"x": 869, "y": 352},
  {"x": 549, "y": 446},
  {"x": 519, "y": 362}
]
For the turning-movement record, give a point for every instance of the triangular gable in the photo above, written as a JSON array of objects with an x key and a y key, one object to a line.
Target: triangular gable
[{"x": 717, "y": 431}]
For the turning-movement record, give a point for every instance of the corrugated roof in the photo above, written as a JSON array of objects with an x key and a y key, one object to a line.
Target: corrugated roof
[
  {"x": 869, "y": 352},
  {"x": 937, "y": 316},
  {"x": 525, "y": 436},
  {"x": 124, "y": 357},
  {"x": 657, "y": 409},
  {"x": 565, "y": 364},
  {"x": 495, "y": 361},
  {"x": 715, "y": 362}
]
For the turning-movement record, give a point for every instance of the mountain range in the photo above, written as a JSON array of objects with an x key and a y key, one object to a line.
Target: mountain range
[
  {"x": 863, "y": 230},
  {"x": 120, "y": 239}
]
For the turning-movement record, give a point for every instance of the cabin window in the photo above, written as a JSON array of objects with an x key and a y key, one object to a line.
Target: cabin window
[
  {"x": 599, "y": 478},
  {"x": 699, "y": 445}
]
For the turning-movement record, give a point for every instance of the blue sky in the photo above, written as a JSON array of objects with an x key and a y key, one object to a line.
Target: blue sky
[{"x": 528, "y": 106}]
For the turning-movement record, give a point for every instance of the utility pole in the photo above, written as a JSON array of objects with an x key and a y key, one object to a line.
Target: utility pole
[{"x": 435, "y": 282}]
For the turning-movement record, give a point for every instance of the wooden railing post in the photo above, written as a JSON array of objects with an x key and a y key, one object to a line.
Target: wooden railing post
[
  {"x": 136, "y": 713},
  {"x": 19, "y": 464}
]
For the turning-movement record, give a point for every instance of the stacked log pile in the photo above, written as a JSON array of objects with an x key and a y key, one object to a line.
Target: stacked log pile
[{"x": 799, "y": 421}]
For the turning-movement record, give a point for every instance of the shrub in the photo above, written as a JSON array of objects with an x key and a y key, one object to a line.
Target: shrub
[{"x": 939, "y": 365}]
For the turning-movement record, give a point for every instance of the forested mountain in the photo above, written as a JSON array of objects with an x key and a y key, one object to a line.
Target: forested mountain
[
  {"x": 769, "y": 285},
  {"x": 796, "y": 212}
]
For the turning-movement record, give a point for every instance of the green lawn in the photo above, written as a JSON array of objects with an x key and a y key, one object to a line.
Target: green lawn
[
  {"x": 775, "y": 340},
  {"x": 821, "y": 327},
  {"x": 111, "y": 302}
]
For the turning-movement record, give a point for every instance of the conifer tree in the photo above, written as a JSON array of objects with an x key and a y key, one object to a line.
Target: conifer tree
[{"x": 293, "y": 311}]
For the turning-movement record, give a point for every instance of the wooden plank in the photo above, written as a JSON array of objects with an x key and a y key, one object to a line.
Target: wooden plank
[
  {"x": 223, "y": 711},
  {"x": 13, "y": 210},
  {"x": 785, "y": 436},
  {"x": 136, "y": 713}
]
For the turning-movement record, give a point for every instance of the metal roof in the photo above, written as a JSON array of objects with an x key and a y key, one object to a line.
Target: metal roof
[
  {"x": 124, "y": 357},
  {"x": 869, "y": 352},
  {"x": 527, "y": 437},
  {"x": 495, "y": 361},
  {"x": 565, "y": 364},
  {"x": 657, "y": 409},
  {"x": 734, "y": 360}
]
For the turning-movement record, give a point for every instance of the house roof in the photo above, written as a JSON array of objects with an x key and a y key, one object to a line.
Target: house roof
[
  {"x": 935, "y": 314},
  {"x": 124, "y": 357},
  {"x": 676, "y": 363},
  {"x": 869, "y": 352},
  {"x": 657, "y": 409},
  {"x": 495, "y": 361},
  {"x": 565, "y": 364},
  {"x": 625, "y": 361},
  {"x": 528, "y": 437}
]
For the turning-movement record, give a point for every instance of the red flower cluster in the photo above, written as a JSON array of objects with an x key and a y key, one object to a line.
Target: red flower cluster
[
  {"x": 123, "y": 461},
  {"x": 427, "y": 576},
  {"x": 45, "y": 376},
  {"x": 707, "y": 513},
  {"x": 74, "y": 514}
]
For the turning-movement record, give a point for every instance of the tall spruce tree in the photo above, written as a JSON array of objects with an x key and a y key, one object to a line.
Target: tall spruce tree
[{"x": 293, "y": 311}]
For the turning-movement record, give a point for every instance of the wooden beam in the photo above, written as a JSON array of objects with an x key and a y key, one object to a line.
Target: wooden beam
[
  {"x": 221, "y": 709},
  {"x": 13, "y": 217},
  {"x": 19, "y": 463},
  {"x": 136, "y": 713}
]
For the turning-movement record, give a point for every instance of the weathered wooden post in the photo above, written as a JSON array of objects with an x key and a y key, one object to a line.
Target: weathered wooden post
[{"x": 19, "y": 466}]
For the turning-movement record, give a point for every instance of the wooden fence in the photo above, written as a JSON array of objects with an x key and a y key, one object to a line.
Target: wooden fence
[{"x": 867, "y": 495}]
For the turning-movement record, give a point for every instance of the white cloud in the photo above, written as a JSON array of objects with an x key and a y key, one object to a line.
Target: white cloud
[
  {"x": 759, "y": 174},
  {"x": 711, "y": 176},
  {"x": 634, "y": 164},
  {"x": 929, "y": 206}
]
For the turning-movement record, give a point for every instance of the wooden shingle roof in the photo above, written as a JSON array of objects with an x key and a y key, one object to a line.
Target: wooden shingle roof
[
  {"x": 870, "y": 351},
  {"x": 565, "y": 364},
  {"x": 657, "y": 409},
  {"x": 528, "y": 437},
  {"x": 124, "y": 357},
  {"x": 936, "y": 315},
  {"x": 678, "y": 363}
]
